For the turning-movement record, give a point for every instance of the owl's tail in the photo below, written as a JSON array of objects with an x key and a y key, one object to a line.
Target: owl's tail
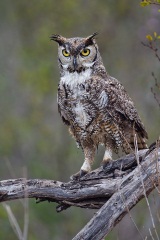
[{"x": 133, "y": 141}]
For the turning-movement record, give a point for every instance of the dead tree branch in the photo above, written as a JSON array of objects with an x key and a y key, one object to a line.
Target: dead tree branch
[{"x": 114, "y": 191}]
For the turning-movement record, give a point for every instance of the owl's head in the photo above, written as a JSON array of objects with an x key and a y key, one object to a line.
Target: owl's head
[{"x": 76, "y": 54}]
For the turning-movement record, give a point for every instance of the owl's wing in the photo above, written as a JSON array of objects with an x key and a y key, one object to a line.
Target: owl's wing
[
  {"x": 61, "y": 96},
  {"x": 121, "y": 104}
]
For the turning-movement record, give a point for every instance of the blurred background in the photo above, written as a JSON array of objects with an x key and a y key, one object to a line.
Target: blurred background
[{"x": 33, "y": 138}]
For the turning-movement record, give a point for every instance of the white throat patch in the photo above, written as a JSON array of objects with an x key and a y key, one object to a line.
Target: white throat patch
[{"x": 74, "y": 79}]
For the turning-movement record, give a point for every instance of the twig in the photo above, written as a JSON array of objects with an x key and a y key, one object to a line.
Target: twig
[
  {"x": 144, "y": 190},
  {"x": 153, "y": 48},
  {"x": 150, "y": 232},
  {"x": 158, "y": 88},
  {"x": 26, "y": 211},
  {"x": 13, "y": 221},
  {"x": 129, "y": 213}
]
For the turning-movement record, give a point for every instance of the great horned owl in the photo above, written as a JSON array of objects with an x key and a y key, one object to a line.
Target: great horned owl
[{"x": 94, "y": 105}]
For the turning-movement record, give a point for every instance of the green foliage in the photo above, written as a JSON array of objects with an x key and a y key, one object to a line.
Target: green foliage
[
  {"x": 145, "y": 3},
  {"x": 154, "y": 37}
]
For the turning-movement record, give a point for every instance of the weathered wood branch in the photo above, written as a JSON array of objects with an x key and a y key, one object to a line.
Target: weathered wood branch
[
  {"x": 114, "y": 191},
  {"x": 131, "y": 190},
  {"x": 97, "y": 184}
]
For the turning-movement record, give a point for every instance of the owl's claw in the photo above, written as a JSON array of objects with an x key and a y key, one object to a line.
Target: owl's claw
[
  {"x": 78, "y": 175},
  {"x": 107, "y": 166}
]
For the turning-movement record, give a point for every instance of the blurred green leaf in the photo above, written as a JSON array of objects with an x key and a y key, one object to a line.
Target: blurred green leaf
[
  {"x": 149, "y": 37},
  {"x": 144, "y": 3}
]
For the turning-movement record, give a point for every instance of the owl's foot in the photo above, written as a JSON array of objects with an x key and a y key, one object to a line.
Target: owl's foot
[
  {"x": 107, "y": 160},
  {"x": 107, "y": 165},
  {"x": 78, "y": 175}
]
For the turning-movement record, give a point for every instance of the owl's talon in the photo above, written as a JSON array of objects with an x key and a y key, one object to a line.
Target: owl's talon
[
  {"x": 75, "y": 176},
  {"x": 78, "y": 175},
  {"x": 107, "y": 166},
  {"x": 82, "y": 173},
  {"x": 106, "y": 163}
]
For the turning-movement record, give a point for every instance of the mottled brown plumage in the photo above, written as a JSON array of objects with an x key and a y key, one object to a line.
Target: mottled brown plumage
[{"x": 93, "y": 104}]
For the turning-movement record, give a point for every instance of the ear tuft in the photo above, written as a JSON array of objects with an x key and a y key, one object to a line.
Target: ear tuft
[
  {"x": 57, "y": 38},
  {"x": 89, "y": 40},
  {"x": 93, "y": 35}
]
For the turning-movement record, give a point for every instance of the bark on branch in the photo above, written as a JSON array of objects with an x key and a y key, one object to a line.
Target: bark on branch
[{"x": 113, "y": 191}]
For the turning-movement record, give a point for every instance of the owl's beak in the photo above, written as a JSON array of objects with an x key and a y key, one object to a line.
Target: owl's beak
[{"x": 75, "y": 65}]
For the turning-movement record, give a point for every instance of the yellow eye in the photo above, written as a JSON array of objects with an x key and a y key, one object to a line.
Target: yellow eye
[
  {"x": 65, "y": 53},
  {"x": 85, "y": 52}
]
